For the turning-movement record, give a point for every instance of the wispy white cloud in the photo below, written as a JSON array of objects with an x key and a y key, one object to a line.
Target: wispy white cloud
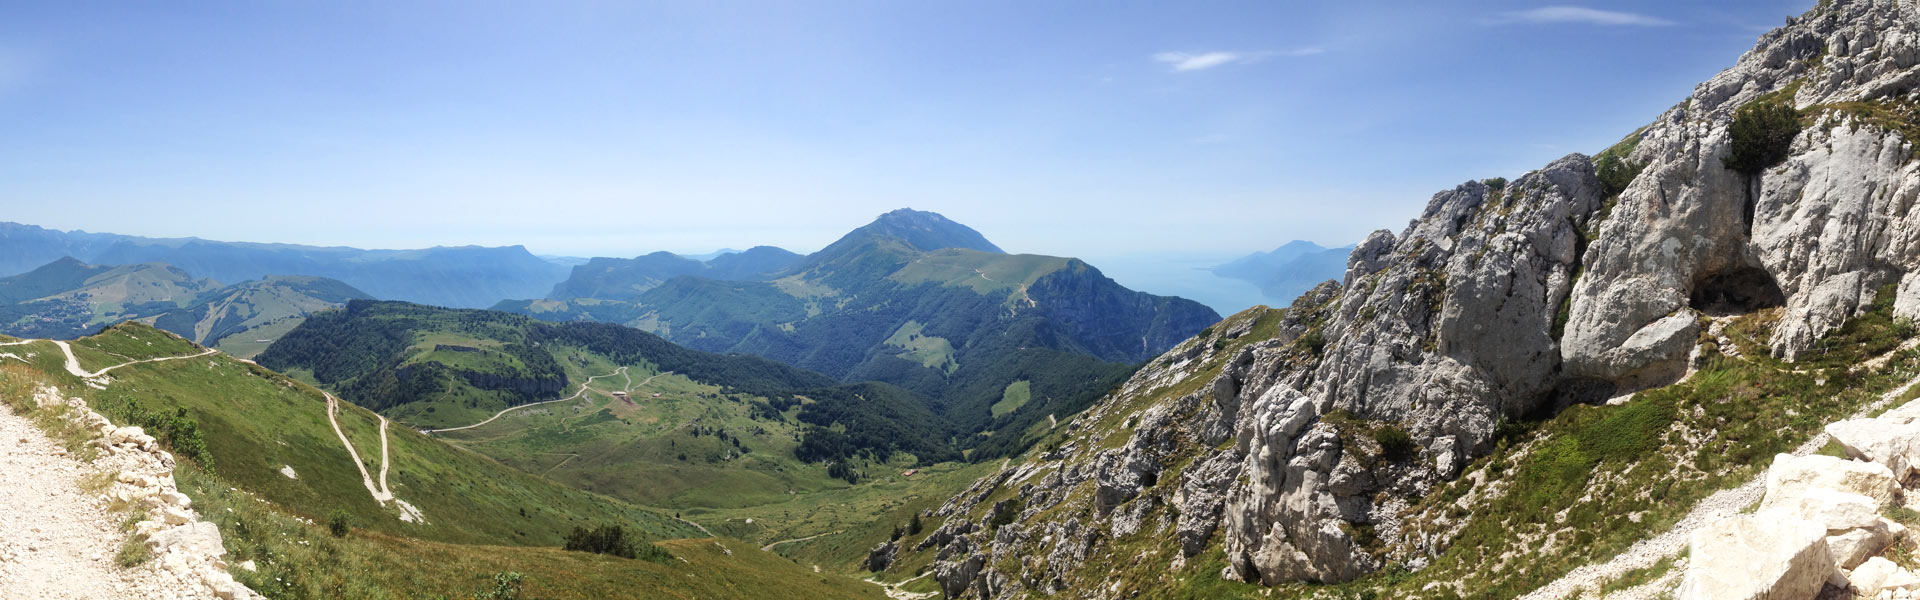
[
  {"x": 1199, "y": 61},
  {"x": 1187, "y": 61},
  {"x": 1577, "y": 15}
]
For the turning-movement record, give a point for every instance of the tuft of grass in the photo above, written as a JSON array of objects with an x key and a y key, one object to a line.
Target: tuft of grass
[
  {"x": 97, "y": 481},
  {"x": 133, "y": 552}
]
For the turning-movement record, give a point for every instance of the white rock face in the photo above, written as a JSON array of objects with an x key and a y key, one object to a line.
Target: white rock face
[
  {"x": 1893, "y": 445},
  {"x": 1791, "y": 476},
  {"x": 1750, "y": 558}
]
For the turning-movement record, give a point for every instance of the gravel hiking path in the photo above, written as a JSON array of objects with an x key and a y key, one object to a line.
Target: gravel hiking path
[
  {"x": 893, "y": 589},
  {"x": 583, "y": 390},
  {"x": 56, "y": 542},
  {"x": 1720, "y": 505}
]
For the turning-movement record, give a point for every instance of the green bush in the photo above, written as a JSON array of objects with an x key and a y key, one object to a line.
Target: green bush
[
  {"x": 338, "y": 525},
  {"x": 1762, "y": 133},
  {"x": 506, "y": 586},
  {"x": 1395, "y": 444},
  {"x": 1008, "y": 512},
  {"x": 1616, "y": 172}
]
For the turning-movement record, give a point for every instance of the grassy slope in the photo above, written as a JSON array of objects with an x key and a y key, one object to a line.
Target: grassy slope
[
  {"x": 632, "y": 450},
  {"x": 984, "y": 272},
  {"x": 256, "y": 421},
  {"x": 1017, "y": 395},
  {"x": 299, "y": 560}
]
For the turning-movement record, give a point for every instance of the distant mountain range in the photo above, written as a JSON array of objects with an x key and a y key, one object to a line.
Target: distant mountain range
[
  {"x": 912, "y": 299},
  {"x": 68, "y": 298},
  {"x": 992, "y": 342},
  {"x": 466, "y": 276},
  {"x": 626, "y": 278},
  {"x": 1288, "y": 271}
]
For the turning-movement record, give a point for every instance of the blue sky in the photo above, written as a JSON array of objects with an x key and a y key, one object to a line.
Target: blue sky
[{"x": 1094, "y": 129}]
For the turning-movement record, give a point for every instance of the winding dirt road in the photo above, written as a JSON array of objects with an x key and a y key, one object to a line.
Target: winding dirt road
[{"x": 576, "y": 395}]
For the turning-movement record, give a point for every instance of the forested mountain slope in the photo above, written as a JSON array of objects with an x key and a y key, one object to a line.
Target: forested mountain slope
[{"x": 919, "y": 301}]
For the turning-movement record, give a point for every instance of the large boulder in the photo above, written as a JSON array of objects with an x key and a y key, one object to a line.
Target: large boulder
[
  {"x": 1790, "y": 476},
  {"x": 1757, "y": 558},
  {"x": 1895, "y": 445},
  {"x": 1879, "y": 574},
  {"x": 1835, "y": 511},
  {"x": 199, "y": 538}
]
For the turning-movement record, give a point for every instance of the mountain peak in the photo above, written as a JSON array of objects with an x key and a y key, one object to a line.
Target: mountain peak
[{"x": 926, "y": 231}]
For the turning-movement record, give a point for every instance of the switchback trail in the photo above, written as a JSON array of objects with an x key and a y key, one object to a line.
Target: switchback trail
[
  {"x": 381, "y": 493},
  {"x": 1721, "y": 505}
]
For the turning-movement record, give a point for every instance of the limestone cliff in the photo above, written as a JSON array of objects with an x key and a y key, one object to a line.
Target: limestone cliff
[{"x": 1290, "y": 440}]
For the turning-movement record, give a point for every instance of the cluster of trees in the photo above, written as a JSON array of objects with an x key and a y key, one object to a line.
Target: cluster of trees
[
  {"x": 873, "y": 420},
  {"x": 613, "y": 540}
]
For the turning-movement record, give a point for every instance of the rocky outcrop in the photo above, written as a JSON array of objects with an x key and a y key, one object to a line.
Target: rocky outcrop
[
  {"x": 1817, "y": 234},
  {"x": 1519, "y": 298},
  {"x": 881, "y": 556}
]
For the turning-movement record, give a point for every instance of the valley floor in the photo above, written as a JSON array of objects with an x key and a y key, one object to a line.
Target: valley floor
[{"x": 57, "y": 542}]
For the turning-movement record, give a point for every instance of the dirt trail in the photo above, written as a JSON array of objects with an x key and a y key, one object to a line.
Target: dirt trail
[
  {"x": 56, "y": 541},
  {"x": 769, "y": 547},
  {"x": 381, "y": 493},
  {"x": 576, "y": 395},
  {"x": 1720, "y": 505},
  {"x": 333, "y": 406},
  {"x": 893, "y": 589},
  {"x": 73, "y": 363},
  {"x": 702, "y": 528}
]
